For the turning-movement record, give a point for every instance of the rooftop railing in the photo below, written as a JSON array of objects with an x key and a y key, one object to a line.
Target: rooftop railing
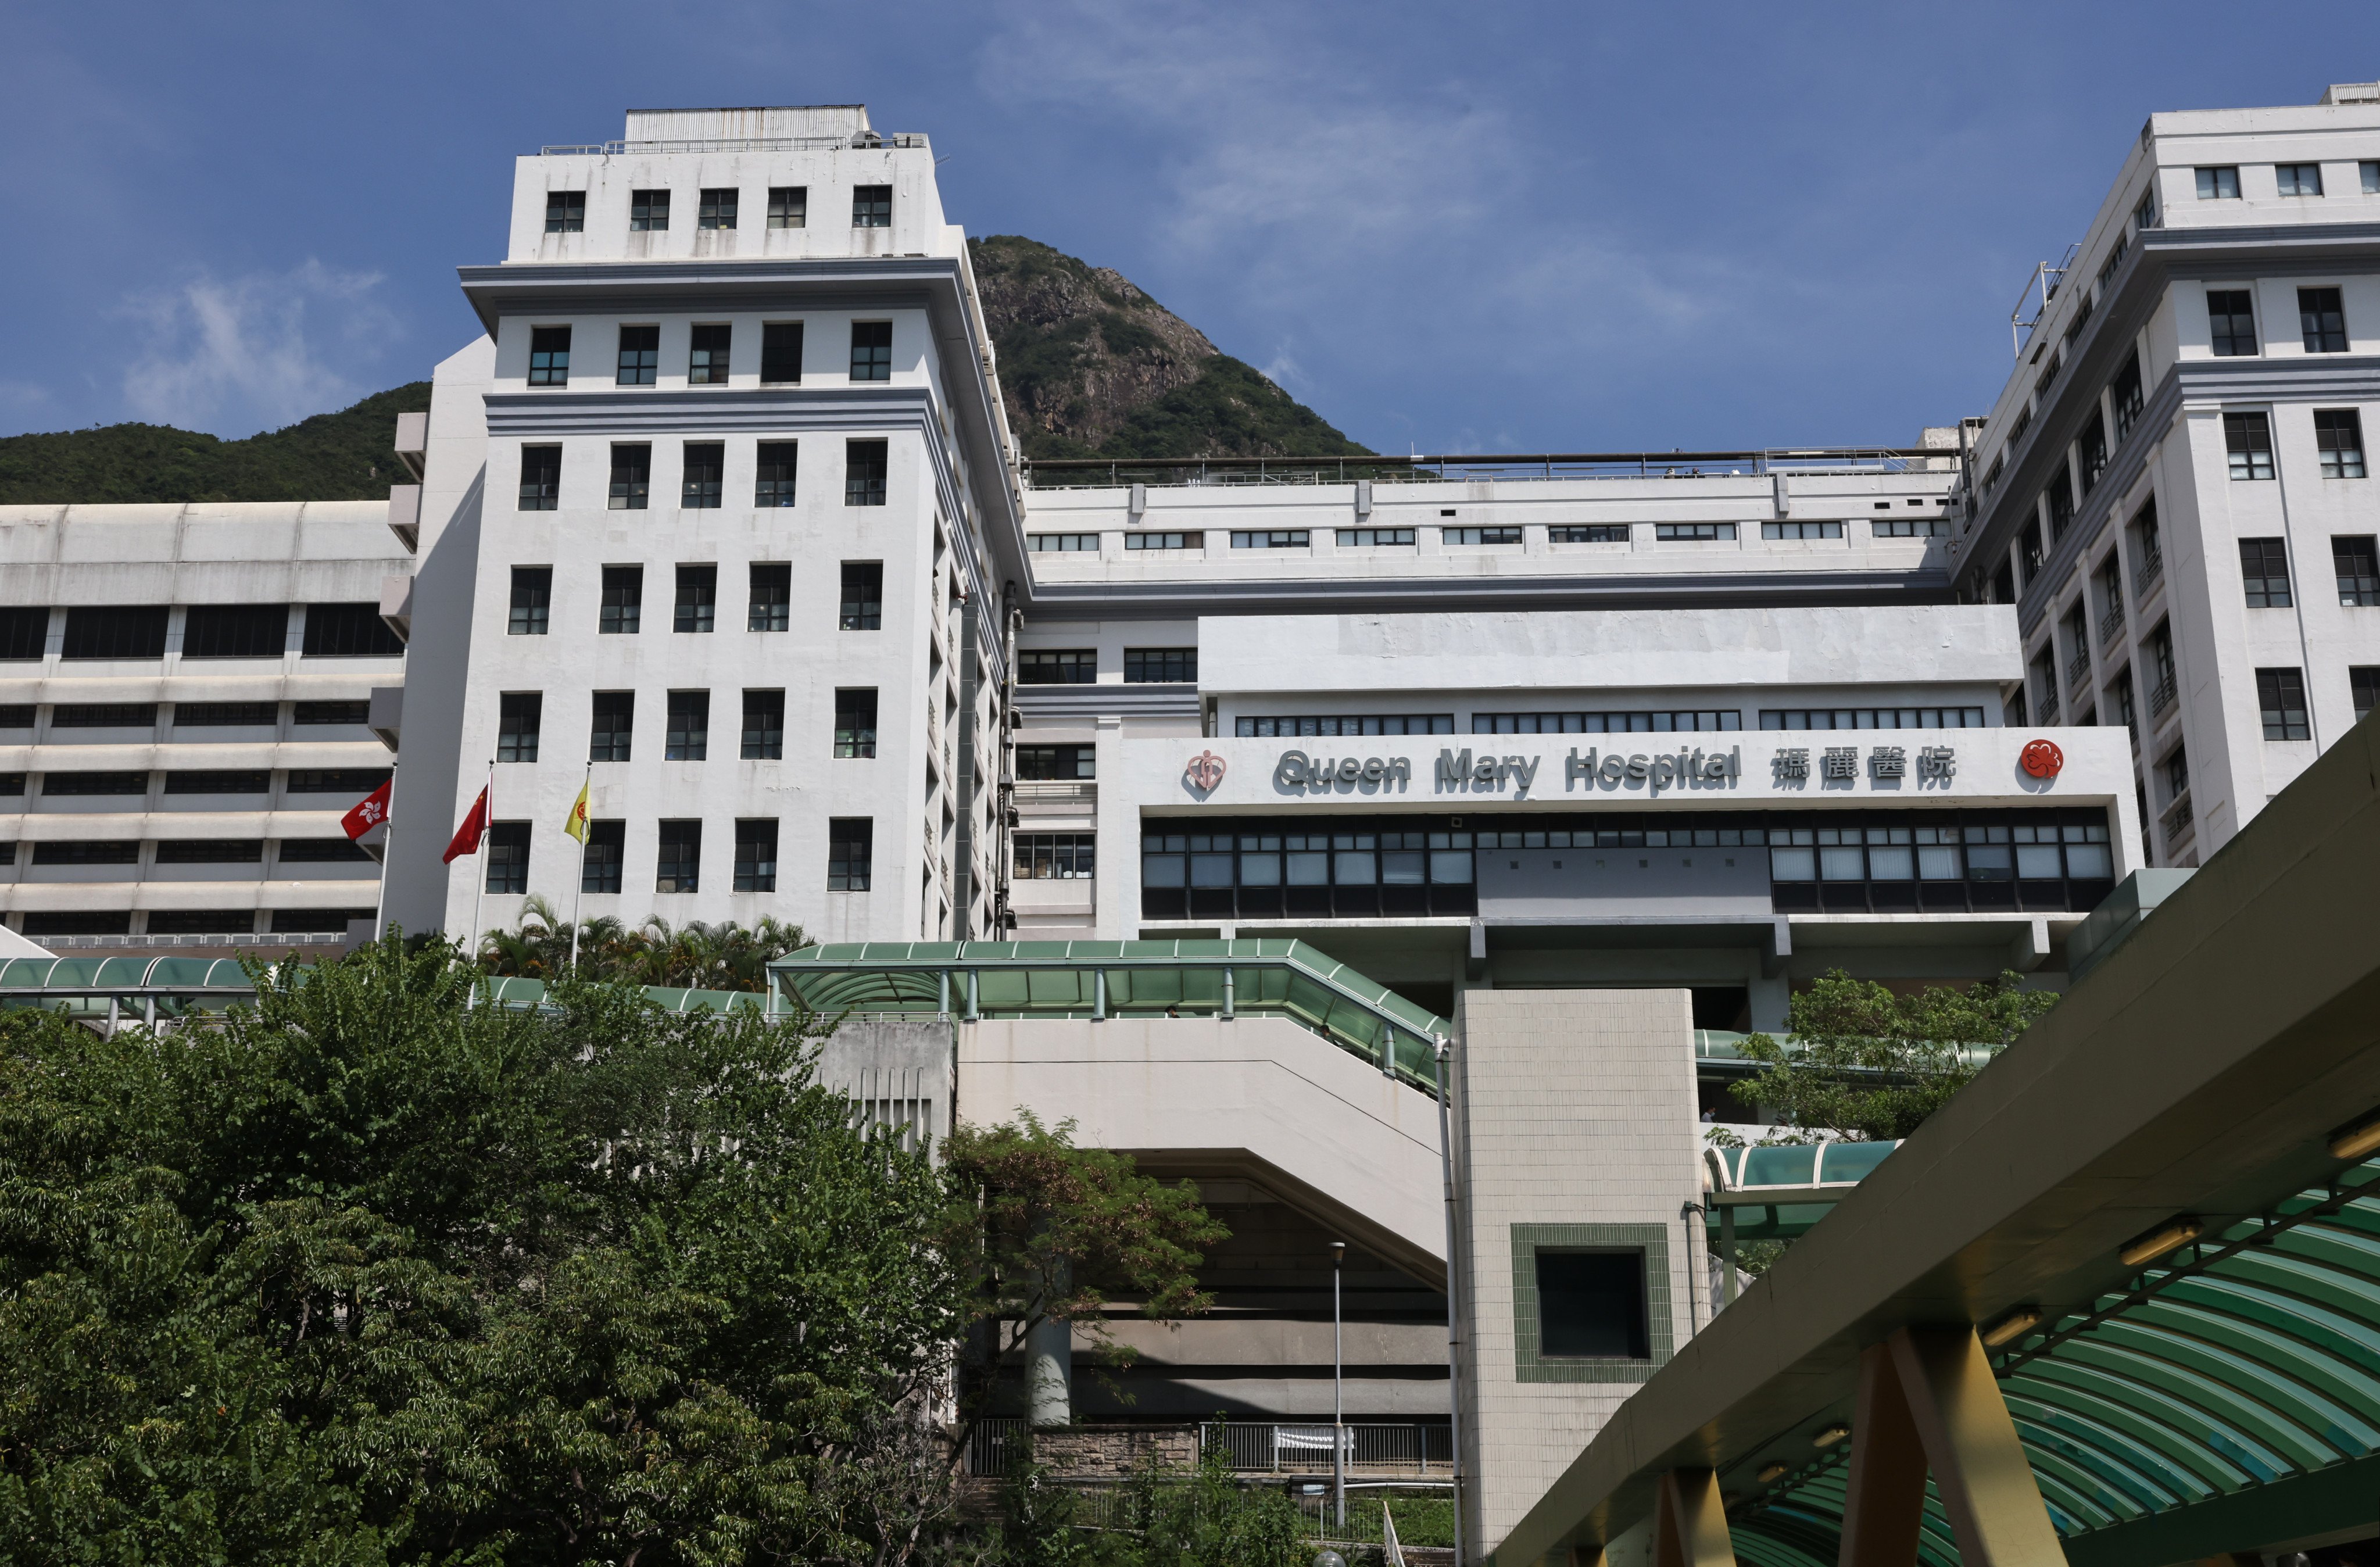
[
  {"x": 1084, "y": 473},
  {"x": 864, "y": 140}
]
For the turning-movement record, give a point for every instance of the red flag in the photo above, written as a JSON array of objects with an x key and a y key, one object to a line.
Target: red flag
[
  {"x": 369, "y": 813},
  {"x": 474, "y": 828}
]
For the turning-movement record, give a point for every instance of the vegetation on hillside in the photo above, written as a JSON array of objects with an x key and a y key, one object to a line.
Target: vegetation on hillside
[
  {"x": 1093, "y": 366},
  {"x": 348, "y": 456}
]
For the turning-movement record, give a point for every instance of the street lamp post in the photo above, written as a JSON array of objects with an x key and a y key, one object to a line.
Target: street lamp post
[{"x": 1338, "y": 1393}]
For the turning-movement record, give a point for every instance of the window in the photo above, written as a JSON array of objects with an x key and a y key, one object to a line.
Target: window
[
  {"x": 2323, "y": 320},
  {"x": 565, "y": 212},
  {"x": 756, "y": 856},
  {"x": 687, "y": 737},
  {"x": 241, "y": 781},
  {"x": 1591, "y": 1306},
  {"x": 219, "y": 851},
  {"x": 1176, "y": 540},
  {"x": 615, "y": 715},
  {"x": 1378, "y": 538},
  {"x": 1911, "y": 528},
  {"x": 2059, "y": 493},
  {"x": 1272, "y": 539},
  {"x": 201, "y": 921},
  {"x": 131, "y": 632},
  {"x": 680, "y": 868},
  {"x": 541, "y": 479},
  {"x": 2144, "y": 215},
  {"x": 1705, "y": 532},
  {"x": 330, "y": 712},
  {"x": 640, "y": 355},
  {"x": 290, "y": 921},
  {"x": 1056, "y": 856},
  {"x": 17, "y": 715},
  {"x": 2218, "y": 183},
  {"x": 518, "y": 717},
  {"x": 865, "y": 464},
  {"x": 632, "y": 476},
  {"x": 872, "y": 350},
  {"x": 331, "y": 851},
  {"x": 226, "y": 714},
  {"x": 789, "y": 206},
  {"x": 647, "y": 211},
  {"x": 2175, "y": 771},
  {"x": 2125, "y": 394},
  {"x": 1062, "y": 543},
  {"x": 854, "y": 722},
  {"x": 348, "y": 631},
  {"x": 698, "y": 598},
  {"x": 1057, "y": 666},
  {"x": 85, "y": 851},
  {"x": 1479, "y": 535},
  {"x": 235, "y": 631},
  {"x": 532, "y": 600},
  {"x": 2249, "y": 438},
  {"x": 781, "y": 352},
  {"x": 1871, "y": 718},
  {"x": 2028, "y": 549},
  {"x": 774, "y": 476},
  {"x": 356, "y": 780},
  {"x": 25, "y": 629},
  {"x": 2339, "y": 436},
  {"x": 772, "y": 595},
  {"x": 764, "y": 726},
  {"x": 549, "y": 356},
  {"x": 1688, "y": 722},
  {"x": 77, "y": 783},
  {"x": 2264, "y": 571},
  {"x": 2231, "y": 322},
  {"x": 600, "y": 864},
  {"x": 1594, "y": 533},
  {"x": 2354, "y": 557},
  {"x": 718, "y": 208},
  {"x": 1056, "y": 763},
  {"x": 1801, "y": 531},
  {"x": 2298, "y": 179},
  {"x": 508, "y": 856},
  {"x": 2363, "y": 684},
  {"x": 2091, "y": 448},
  {"x": 1268, "y": 726},
  {"x": 2280, "y": 693},
  {"x": 862, "y": 607},
  {"x": 76, "y": 922},
  {"x": 2370, "y": 171},
  {"x": 700, "y": 487},
  {"x": 706, "y": 354},
  {"x": 850, "y": 853},
  {"x": 871, "y": 206},
  {"x": 1161, "y": 665}
]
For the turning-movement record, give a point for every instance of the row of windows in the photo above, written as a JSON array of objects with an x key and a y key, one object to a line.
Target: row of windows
[
  {"x": 185, "y": 715},
  {"x": 678, "y": 860},
  {"x": 191, "y": 921},
  {"x": 1871, "y": 718},
  {"x": 1285, "y": 726},
  {"x": 208, "y": 631},
  {"x": 2231, "y": 321},
  {"x": 2338, "y": 444},
  {"x": 1055, "y": 763},
  {"x": 2264, "y": 571},
  {"x": 186, "y": 851},
  {"x": 767, "y": 604},
  {"x": 1056, "y": 856},
  {"x": 1385, "y": 538},
  {"x": 2221, "y": 182},
  {"x": 702, "y": 476},
  {"x": 709, "y": 347},
  {"x": 1080, "y": 666},
  {"x": 686, "y": 737},
  {"x": 718, "y": 207},
  {"x": 1677, "y": 721},
  {"x": 358, "y": 781}
]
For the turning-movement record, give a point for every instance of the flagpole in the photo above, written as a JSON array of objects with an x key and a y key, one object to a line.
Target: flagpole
[
  {"x": 380, "y": 909},
  {"x": 581, "y": 896},
  {"x": 479, "y": 886}
]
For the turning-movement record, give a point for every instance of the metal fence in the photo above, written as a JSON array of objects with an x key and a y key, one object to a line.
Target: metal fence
[{"x": 1417, "y": 1449}]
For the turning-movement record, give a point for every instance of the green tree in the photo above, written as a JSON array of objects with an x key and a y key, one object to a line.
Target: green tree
[
  {"x": 361, "y": 1275},
  {"x": 1048, "y": 1231},
  {"x": 1862, "y": 1062}
]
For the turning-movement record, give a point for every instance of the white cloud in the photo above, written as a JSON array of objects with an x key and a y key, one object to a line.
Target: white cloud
[{"x": 255, "y": 352}]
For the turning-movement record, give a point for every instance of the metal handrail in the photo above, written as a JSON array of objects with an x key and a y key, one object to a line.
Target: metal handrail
[
  {"x": 2151, "y": 566},
  {"x": 2111, "y": 627},
  {"x": 2160, "y": 697},
  {"x": 861, "y": 140},
  {"x": 2177, "y": 820},
  {"x": 1443, "y": 467},
  {"x": 2078, "y": 674}
]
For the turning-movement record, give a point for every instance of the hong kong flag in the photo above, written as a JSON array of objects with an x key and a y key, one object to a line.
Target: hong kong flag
[
  {"x": 369, "y": 813},
  {"x": 474, "y": 828}
]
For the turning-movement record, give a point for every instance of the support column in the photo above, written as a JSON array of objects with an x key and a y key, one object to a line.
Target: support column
[
  {"x": 1049, "y": 1374},
  {"x": 1979, "y": 1465},
  {"x": 1689, "y": 1526},
  {"x": 1886, "y": 1503}
]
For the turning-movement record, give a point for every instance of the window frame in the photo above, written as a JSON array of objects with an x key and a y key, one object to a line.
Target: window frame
[
  {"x": 851, "y": 854},
  {"x": 2289, "y": 180},
  {"x": 789, "y": 206},
  {"x": 2322, "y": 319},
  {"x": 686, "y": 733},
  {"x": 2259, "y": 558},
  {"x": 761, "y": 736},
  {"x": 2339, "y": 442},
  {"x": 872, "y": 352},
  {"x": 864, "y": 612},
  {"x": 866, "y": 472},
  {"x": 677, "y": 859},
  {"x": 549, "y": 356},
  {"x": 645, "y": 207},
  {"x": 2216, "y": 182},
  {"x": 757, "y": 842},
  {"x": 768, "y": 602},
  {"x": 529, "y": 612},
  {"x": 694, "y": 609},
  {"x": 856, "y": 716},
  {"x": 639, "y": 355},
  {"x": 621, "y": 610},
  {"x": 702, "y": 476},
  {"x": 631, "y": 485},
  {"x": 715, "y": 209},
  {"x": 2248, "y": 446},
  {"x": 2223, "y": 336},
  {"x": 565, "y": 212},
  {"x": 871, "y": 206},
  {"x": 778, "y": 354},
  {"x": 611, "y": 724},
  {"x": 541, "y": 478},
  {"x": 2281, "y": 704},
  {"x": 520, "y": 721}
]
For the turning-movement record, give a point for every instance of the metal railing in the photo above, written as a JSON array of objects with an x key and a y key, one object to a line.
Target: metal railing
[
  {"x": 2160, "y": 697},
  {"x": 990, "y": 1446},
  {"x": 2151, "y": 567},
  {"x": 2047, "y": 711},
  {"x": 861, "y": 140},
  {"x": 2178, "y": 822},
  {"x": 2078, "y": 672},
  {"x": 2111, "y": 627},
  {"x": 1055, "y": 791},
  {"x": 1077, "y": 473},
  {"x": 1277, "y": 1449}
]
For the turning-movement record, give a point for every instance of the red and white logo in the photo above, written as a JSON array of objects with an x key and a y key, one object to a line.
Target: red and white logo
[
  {"x": 2041, "y": 759},
  {"x": 1206, "y": 770}
]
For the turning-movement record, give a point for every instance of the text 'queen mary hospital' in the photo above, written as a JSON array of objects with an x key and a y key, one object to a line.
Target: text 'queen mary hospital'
[{"x": 722, "y": 519}]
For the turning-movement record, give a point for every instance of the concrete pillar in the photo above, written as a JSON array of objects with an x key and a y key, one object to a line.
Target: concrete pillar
[
  {"x": 1690, "y": 1528},
  {"x": 1769, "y": 998},
  {"x": 1049, "y": 1374}
]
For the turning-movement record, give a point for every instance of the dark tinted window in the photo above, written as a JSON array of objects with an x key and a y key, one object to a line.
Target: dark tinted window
[
  {"x": 773, "y": 482},
  {"x": 1057, "y": 666},
  {"x": 331, "y": 712},
  {"x": 789, "y": 206},
  {"x": 871, "y": 206},
  {"x": 872, "y": 350},
  {"x": 687, "y": 737},
  {"x": 235, "y": 631},
  {"x": 850, "y": 854},
  {"x": 2264, "y": 571},
  {"x": 863, "y": 596},
  {"x": 348, "y": 631},
  {"x": 697, "y": 599},
  {"x": 640, "y": 355},
  {"x": 624, "y": 600},
  {"x": 865, "y": 463},
  {"x": 705, "y": 462},
  {"x": 2280, "y": 695},
  {"x": 566, "y": 213},
  {"x": 679, "y": 869},
  {"x": 519, "y": 716},
  {"x": 23, "y": 631},
  {"x": 1592, "y": 1303},
  {"x": 855, "y": 723},
  {"x": 549, "y": 356},
  {"x": 136, "y": 631},
  {"x": 507, "y": 852},
  {"x": 95, "y": 783},
  {"x": 356, "y": 780},
  {"x": 319, "y": 851},
  {"x": 632, "y": 476},
  {"x": 541, "y": 479},
  {"x": 764, "y": 725},
  {"x": 2323, "y": 320},
  {"x": 1046, "y": 762},
  {"x": 718, "y": 210},
  {"x": 771, "y": 597},
  {"x": 615, "y": 716},
  {"x": 532, "y": 600},
  {"x": 315, "y": 921},
  {"x": 606, "y": 846},
  {"x": 2231, "y": 321},
  {"x": 648, "y": 210},
  {"x": 226, "y": 714},
  {"x": 1161, "y": 665},
  {"x": 103, "y": 715},
  {"x": 209, "y": 851},
  {"x": 781, "y": 352},
  {"x": 756, "y": 856},
  {"x": 85, "y": 851},
  {"x": 706, "y": 361},
  {"x": 244, "y": 781}
]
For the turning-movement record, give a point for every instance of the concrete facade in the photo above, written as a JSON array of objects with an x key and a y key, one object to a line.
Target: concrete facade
[{"x": 1575, "y": 1124}]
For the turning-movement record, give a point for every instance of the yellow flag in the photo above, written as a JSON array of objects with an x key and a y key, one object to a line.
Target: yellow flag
[{"x": 577, "y": 825}]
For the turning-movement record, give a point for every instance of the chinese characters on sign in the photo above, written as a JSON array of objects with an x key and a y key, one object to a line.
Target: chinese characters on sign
[{"x": 1936, "y": 764}]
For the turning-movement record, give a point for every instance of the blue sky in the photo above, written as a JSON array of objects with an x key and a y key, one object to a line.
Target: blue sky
[{"x": 1483, "y": 228}]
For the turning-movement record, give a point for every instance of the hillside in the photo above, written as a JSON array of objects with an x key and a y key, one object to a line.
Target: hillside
[
  {"x": 348, "y": 456},
  {"x": 1093, "y": 366}
]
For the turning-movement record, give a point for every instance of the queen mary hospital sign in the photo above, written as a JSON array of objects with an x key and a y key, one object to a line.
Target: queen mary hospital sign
[{"x": 1826, "y": 763}]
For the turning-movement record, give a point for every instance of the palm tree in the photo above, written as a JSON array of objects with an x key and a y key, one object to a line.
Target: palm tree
[{"x": 726, "y": 957}]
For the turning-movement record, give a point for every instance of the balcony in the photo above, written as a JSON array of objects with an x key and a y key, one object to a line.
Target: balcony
[
  {"x": 2152, "y": 568},
  {"x": 2078, "y": 676},
  {"x": 2178, "y": 823},
  {"x": 1053, "y": 793},
  {"x": 2161, "y": 697},
  {"x": 2047, "y": 710},
  {"x": 2111, "y": 627}
]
